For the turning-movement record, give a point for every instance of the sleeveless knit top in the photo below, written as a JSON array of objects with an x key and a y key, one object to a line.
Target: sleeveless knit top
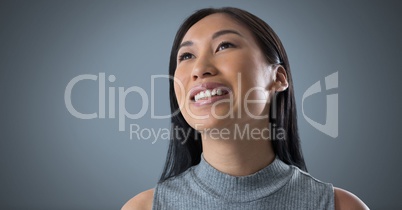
[{"x": 277, "y": 186}]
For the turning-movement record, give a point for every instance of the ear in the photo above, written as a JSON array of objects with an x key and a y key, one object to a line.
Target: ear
[{"x": 280, "y": 79}]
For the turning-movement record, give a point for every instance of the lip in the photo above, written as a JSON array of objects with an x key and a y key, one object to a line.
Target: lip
[{"x": 204, "y": 86}]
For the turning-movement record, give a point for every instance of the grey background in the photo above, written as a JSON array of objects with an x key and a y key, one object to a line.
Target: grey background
[{"x": 51, "y": 160}]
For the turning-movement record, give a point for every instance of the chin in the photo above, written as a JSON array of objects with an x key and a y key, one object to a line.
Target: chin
[{"x": 209, "y": 124}]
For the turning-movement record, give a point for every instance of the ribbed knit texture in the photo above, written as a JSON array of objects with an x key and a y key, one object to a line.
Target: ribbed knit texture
[{"x": 277, "y": 186}]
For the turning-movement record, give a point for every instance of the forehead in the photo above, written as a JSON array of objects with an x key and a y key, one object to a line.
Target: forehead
[{"x": 213, "y": 23}]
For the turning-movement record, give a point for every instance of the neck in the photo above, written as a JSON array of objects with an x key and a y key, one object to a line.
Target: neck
[{"x": 238, "y": 156}]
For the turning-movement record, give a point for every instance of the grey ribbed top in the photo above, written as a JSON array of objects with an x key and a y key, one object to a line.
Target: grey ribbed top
[{"x": 277, "y": 186}]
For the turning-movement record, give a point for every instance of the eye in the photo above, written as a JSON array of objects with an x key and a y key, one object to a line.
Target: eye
[
  {"x": 224, "y": 45},
  {"x": 185, "y": 56}
]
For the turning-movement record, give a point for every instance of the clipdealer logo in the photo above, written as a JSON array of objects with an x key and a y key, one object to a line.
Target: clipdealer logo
[{"x": 330, "y": 128}]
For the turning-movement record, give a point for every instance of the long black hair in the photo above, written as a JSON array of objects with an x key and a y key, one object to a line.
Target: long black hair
[{"x": 185, "y": 145}]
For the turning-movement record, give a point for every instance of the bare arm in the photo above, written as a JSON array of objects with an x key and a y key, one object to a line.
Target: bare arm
[
  {"x": 345, "y": 200},
  {"x": 142, "y": 201}
]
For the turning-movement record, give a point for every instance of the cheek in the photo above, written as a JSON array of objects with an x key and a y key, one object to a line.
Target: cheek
[
  {"x": 254, "y": 89},
  {"x": 253, "y": 79},
  {"x": 255, "y": 102},
  {"x": 179, "y": 88},
  {"x": 254, "y": 92}
]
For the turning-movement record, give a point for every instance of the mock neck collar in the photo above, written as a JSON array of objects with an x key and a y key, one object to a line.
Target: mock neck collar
[{"x": 242, "y": 188}]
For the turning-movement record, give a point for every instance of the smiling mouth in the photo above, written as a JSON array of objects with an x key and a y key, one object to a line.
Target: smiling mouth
[{"x": 208, "y": 94}]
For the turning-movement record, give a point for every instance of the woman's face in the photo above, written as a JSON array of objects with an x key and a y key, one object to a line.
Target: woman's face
[{"x": 222, "y": 77}]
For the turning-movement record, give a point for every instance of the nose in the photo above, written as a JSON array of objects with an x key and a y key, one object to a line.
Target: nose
[{"x": 203, "y": 68}]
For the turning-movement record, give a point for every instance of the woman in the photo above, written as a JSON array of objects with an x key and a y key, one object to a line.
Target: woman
[{"x": 236, "y": 143}]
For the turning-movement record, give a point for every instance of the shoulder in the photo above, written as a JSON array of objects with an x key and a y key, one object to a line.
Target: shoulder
[
  {"x": 345, "y": 200},
  {"x": 142, "y": 201},
  {"x": 311, "y": 183}
]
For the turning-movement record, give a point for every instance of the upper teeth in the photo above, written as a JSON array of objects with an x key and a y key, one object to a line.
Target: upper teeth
[{"x": 208, "y": 93}]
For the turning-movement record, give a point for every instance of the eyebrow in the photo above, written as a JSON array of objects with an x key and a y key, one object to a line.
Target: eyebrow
[{"x": 214, "y": 36}]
